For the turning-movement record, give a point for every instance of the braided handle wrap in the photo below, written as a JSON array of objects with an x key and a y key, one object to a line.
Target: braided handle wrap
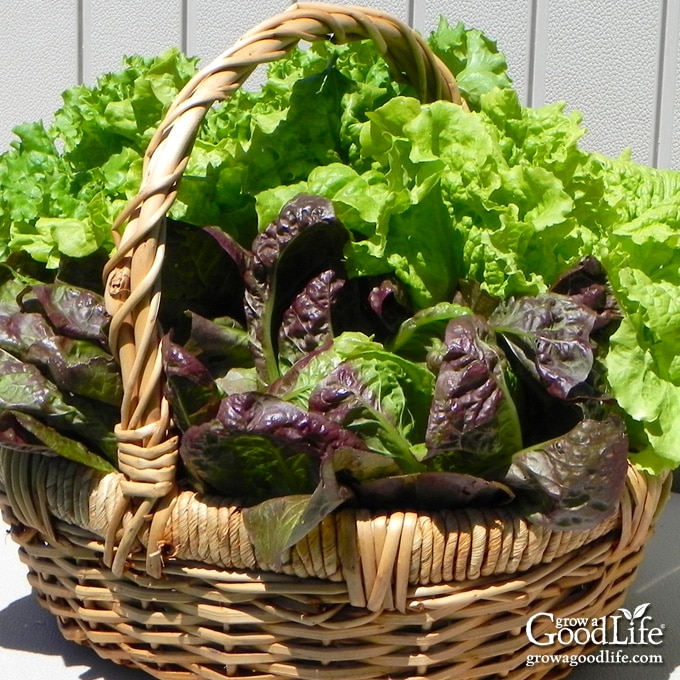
[{"x": 147, "y": 446}]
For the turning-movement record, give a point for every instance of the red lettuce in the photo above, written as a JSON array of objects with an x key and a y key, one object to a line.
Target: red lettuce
[
  {"x": 259, "y": 446},
  {"x": 550, "y": 336},
  {"x": 575, "y": 480},
  {"x": 305, "y": 240},
  {"x": 473, "y": 417}
]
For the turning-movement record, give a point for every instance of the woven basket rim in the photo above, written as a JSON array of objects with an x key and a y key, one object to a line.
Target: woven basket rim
[{"x": 379, "y": 555}]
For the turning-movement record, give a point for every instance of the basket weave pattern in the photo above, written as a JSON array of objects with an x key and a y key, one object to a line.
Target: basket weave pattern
[
  {"x": 157, "y": 578},
  {"x": 316, "y": 620}
]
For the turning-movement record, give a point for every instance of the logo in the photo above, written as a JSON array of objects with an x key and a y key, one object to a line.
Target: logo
[{"x": 622, "y": 628}]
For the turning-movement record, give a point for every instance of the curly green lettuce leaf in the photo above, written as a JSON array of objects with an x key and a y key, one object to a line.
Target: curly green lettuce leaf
[
  {"x": 62, "y": 187},
  {"x": 473, "y": 57},
  {"x": 643, "y": 262}
]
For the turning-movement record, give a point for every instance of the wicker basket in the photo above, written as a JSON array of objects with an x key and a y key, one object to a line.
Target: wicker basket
[{"x": 168, "y": 582}]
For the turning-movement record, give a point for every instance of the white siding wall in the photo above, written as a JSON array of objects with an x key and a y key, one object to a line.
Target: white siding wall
[{"x": 617, "y": 61}]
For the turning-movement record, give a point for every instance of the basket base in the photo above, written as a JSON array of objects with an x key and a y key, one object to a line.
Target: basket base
[{"x": 200, "y": 623}]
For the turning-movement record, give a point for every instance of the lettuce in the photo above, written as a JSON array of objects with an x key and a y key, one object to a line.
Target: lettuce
[{"x": 422, "y": 285}]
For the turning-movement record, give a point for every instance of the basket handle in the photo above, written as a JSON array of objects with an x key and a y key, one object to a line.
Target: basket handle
[{"x": 147, "y": 450}]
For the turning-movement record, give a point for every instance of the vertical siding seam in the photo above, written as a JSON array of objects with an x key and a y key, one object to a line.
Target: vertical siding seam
[
  {"x": 80, "y": 69},
  {"x": 84, "y": 38},
  {"x": 662, "y": 131},
  {"x": 189, "y": 27},
  {"x": 658, "y": 84},
  {"x": 538, "y": 47},
  {"x": 416, "y": 15},
  {"x": 183, "y": 26},
  {"x": 79, "y": 42}
]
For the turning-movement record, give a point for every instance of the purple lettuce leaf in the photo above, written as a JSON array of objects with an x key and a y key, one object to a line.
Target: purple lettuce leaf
[
  {"x": 388, "y": 300},
  {"x": 25, "y": 389},
  {"x": 549, "y": 335},
  {"x": 575, "y": 480},
  {"x": 259, "y": 446},
  {"x": 431, "y": 491},
  {"x": 259, "y": 413},
  {"x": 24, "y": 433},
  {"x": 383, "y": 399},
  {"x": 304, "y": 241},
  {"x": 238, "y": 254},
  {"x": 189, "y": 386},
  {"x": 202, "y": 272},
  {"x": 588, "y": 284},
  {"x": 306, "y": 324},
  {"x": 77, "y": 366},
  {"x": 470, "y": 294},
  {"x": 473, "y": 418},
  {"x": 20, "y": 330},
  {"x": 71, "y": 311},
  {"x": 276, "y": 524},
  {"x": 220, "y": 343},
  {"x": 14, "y": 437}
]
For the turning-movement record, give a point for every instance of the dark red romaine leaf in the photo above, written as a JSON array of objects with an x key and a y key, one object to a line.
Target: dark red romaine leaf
[
  {"x": 189, "y": 386},
  {"x": 276, "y": 524},
  {"x": 260, "y": 446},
  {"x": 20, "y": 330},
  {"x": 220, "y": 344},
  {"x": 307, "y": 322},
  {"x": 202, "y": 273},
  {"x": 25, "y": 389},
  {"x": 246, "y": 467},
  {"x": 549, "y": 335},
  {"x": 473, "y": 415},
  {"x": 352, "y": 398},
  {"x": 383, "y": 398},
  {"x": 587, "y": 283},
  {"x": 26, "y": 434},
  {"x": 431, "y": 491},
  {"x": 259, "y": 413},
  {"x": 388, "y": 300},
  {"x": 73, "y": 312},
  {"x": 238, "y": 254},
  {"x": 575, "y": 480},
  {"x": 304, "y": 241},
  {"x": 77, "y": 366},
  {"x": 471, "y": 294}
]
